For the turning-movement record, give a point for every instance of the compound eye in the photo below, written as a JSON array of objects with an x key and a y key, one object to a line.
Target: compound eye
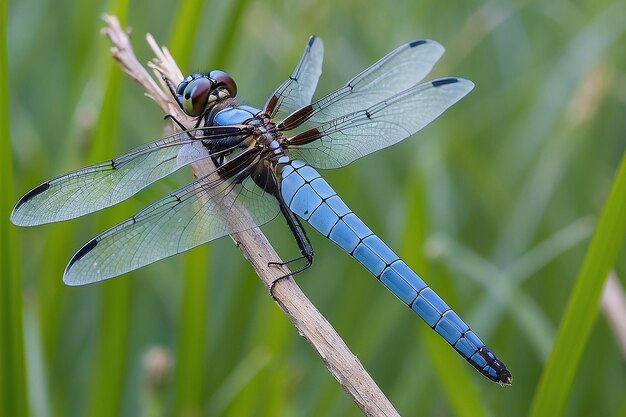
[
  {"x": 224, "y": 80},
  {"x": 181, "y": 86},
  {"x": 195, "y": 96}
]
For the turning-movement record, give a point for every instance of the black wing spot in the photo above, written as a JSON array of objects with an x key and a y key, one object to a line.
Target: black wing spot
[
  {"x": 444, "y": 81},
  {"x": 312, "y": 39},
  {"x": 82, "y": 252},
  {"x": 32, "y": 193},
  {"x": 417, "y": 42}
]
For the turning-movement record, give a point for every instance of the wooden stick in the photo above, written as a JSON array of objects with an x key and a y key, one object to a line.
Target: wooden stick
[{"x": 308, "y": 321}]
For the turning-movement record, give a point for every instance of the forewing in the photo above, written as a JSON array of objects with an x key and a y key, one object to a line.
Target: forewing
[
  {"x": 208, "y": 208},
  {"x": 397, "y": 71},
  {"x": 342, "y": 140},
  {"x": 297, "y": 91},
  {"x": 105, "y": 184}
]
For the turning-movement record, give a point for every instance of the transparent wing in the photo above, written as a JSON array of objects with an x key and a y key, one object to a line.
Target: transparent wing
[
  {"x": 206, "y": 209},
  {"x": 397, "y": 71},
  {"x": 105, "y": 184},
  {"x": 297, "y": 91},
  {"x": 342, "y": 140}
]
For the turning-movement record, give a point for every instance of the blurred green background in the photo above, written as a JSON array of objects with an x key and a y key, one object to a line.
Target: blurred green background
[{"x": 494, "y": 205}]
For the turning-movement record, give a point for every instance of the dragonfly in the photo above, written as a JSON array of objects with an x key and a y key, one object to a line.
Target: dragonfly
[{"x": 265, "y": 162}]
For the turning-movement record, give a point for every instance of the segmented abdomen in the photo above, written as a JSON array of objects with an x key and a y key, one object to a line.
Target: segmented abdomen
[{"x": 309, "y": 196}]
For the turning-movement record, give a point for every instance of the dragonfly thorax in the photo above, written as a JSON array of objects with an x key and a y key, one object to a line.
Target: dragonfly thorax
[{"x": 269, "y": 138}]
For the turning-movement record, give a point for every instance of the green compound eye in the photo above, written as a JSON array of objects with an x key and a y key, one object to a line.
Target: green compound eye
[{"x": 195, "y": 96}]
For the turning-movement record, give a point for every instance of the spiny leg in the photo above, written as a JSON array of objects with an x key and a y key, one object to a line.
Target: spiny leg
[
  {"x": 306, "y": 249},
  {"x": 172, "y": 89},
  {"x": 292, "y": 260},
  {"x": 171, "y": 116}
]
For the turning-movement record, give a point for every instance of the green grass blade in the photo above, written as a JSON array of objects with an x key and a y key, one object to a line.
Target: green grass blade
[
  {"x": 538, "y": 328},
  {"x": 501, "y": 291},
  {"x": 590, "y": 45},
  {"x": 226, "y": 36},
  {"x": 189, "y": 386},
  {"x": 184, "y": 31},
  {"x": 452, "y": 372},
  {"x": 110, "y": 362},
  {"x": 193, "y": 337},
  {"x": 112, "y": 349},
  {"x": 558, "y": 375},
  {"x": 247, "y": 369},
  {"x": 13, "y": 396}
]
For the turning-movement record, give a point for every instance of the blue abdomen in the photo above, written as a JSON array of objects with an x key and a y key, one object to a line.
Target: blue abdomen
[{"x": 308, "y": 195}]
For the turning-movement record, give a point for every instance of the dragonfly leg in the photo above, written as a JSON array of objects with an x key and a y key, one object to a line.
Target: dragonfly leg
[
  {"x": 298, "y": 258},
  {"x": 172, "y": 89},
  {"x": 307, "y": 265},
  {"x": 217, "y": 161},
  {"x": 306, "y": 249},
  {"x": 171, "y": 116}
]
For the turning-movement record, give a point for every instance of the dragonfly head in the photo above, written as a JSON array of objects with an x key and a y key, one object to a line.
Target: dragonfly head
[{"x": 196, "y": 91}]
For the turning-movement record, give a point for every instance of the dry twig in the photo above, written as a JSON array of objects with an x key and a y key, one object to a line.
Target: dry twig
[
  {"x": 309, "y": 322},
  {"x": 614, "y": 308}
]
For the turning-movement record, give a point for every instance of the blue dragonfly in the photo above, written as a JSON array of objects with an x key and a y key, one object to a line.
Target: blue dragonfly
[{"x": 264, "y": 163}]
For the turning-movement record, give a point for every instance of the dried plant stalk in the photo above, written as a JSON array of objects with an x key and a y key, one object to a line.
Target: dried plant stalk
[
  {"x": 613, "y": 305},
  {"x": 308, "y": 321}
]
